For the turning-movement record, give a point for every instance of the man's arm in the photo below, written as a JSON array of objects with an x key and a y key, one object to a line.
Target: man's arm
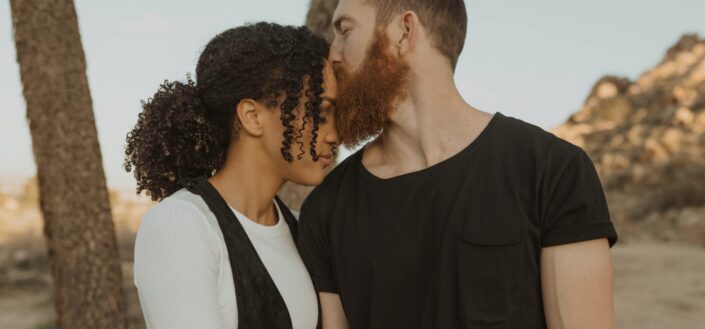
[
  {"x": 314, "y": 247},
  {"x": 332, "y": 314},
  {"x": 578, "y": 285}
]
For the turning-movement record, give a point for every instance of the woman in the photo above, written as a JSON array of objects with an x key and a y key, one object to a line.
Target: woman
[{"x": 217, "y": 250}]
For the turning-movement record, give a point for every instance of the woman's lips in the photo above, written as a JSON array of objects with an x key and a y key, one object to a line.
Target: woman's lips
[{"x": 325, "y": 159}]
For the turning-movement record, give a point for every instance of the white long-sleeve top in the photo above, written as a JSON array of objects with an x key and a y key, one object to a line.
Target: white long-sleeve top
[{"x": 183, "y": 274}]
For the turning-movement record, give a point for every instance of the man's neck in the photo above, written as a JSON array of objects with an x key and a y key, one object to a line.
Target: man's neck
[{"x": 433, "y": 124}]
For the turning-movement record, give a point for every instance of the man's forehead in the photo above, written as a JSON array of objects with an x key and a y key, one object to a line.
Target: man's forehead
[{"x": 348, "y": 9}]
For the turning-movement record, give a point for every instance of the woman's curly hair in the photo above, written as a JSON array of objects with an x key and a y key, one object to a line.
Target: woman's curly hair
[{"x": 185, "y": 129}]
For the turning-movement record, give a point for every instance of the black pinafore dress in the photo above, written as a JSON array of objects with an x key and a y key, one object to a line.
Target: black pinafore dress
[{"x": 259, "y": 302}]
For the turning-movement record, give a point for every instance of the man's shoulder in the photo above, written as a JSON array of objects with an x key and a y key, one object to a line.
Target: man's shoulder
[
  {"x": 523, "y": 137},
  {"x": 516, "y": 129}
]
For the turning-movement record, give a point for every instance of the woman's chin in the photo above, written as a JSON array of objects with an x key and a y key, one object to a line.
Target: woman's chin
[{"x": 310, "y": 178}]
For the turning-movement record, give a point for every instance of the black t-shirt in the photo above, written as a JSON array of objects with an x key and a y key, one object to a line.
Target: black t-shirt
[{"x": 458, "y": 244}]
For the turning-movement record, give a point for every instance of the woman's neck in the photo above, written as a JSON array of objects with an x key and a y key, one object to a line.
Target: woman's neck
[{"x": 248, "y": 184}]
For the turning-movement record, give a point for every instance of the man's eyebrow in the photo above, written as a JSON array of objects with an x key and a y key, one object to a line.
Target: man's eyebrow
[{"x": 339, "y": 20}]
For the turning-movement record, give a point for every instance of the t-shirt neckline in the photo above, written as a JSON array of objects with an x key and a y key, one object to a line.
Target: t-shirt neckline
[
  {"x": 438, "y": 166},
  {"x": 263, "y": 230}
]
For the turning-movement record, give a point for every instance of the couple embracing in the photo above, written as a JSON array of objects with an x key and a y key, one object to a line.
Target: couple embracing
[{"x": 446, "y": 217}]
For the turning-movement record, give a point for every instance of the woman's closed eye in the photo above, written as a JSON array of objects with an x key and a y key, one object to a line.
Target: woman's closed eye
[{"x": 323, "y": 115}]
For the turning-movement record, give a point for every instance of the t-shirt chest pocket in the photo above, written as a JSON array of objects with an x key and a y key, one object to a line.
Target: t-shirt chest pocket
[{"x": 491, "y": 266}]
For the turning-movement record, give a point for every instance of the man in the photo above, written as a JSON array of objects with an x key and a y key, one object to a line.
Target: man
[{"x": 451, "y": 217}]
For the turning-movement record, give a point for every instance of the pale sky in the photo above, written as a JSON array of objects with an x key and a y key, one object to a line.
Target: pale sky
[{"x": 535, "y": 60}]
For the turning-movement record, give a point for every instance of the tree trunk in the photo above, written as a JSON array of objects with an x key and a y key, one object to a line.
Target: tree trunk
[
  {"x": 73, "y": 196},
  {"x": 318, "y": 19}
]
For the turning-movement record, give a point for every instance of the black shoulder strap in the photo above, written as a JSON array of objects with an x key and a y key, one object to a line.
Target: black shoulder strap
[
  {"x": 259, "y": 302},
  {"x": 293, "y": 227}
]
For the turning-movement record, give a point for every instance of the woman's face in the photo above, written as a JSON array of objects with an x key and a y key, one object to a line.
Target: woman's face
[{"x": 306, "y": 171}]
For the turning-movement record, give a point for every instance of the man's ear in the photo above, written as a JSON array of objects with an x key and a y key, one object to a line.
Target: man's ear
[
  {"x": 248, "y": 114},
  {"x": 409, "y": 26}
]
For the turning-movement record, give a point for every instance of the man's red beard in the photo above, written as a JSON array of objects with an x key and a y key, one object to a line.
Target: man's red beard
[{"x": 367, "y": 98}]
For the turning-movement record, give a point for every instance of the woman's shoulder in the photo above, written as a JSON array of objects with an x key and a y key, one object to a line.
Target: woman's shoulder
[
  {"x": 181, "y": 204},
  {"x": 181, "y": 213},
  {"x": 188, "y": 199}
]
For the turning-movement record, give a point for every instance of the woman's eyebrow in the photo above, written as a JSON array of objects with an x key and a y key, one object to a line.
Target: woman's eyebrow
[{"x": 329, "y": 99}]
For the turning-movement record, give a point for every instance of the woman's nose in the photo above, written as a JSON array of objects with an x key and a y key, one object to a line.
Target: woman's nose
[{"x": 331, "y": 134}]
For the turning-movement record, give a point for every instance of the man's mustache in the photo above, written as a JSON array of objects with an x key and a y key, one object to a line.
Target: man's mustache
[{"x": 340, "y": 72}]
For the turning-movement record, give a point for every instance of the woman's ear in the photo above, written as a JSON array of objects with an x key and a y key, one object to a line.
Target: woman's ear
[
  {"x": 409, "y": 25},
  {"x": 249, "y": 115}
]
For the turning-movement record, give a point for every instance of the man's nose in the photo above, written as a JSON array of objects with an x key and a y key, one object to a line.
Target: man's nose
[{"x": 335, "y": 55}]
